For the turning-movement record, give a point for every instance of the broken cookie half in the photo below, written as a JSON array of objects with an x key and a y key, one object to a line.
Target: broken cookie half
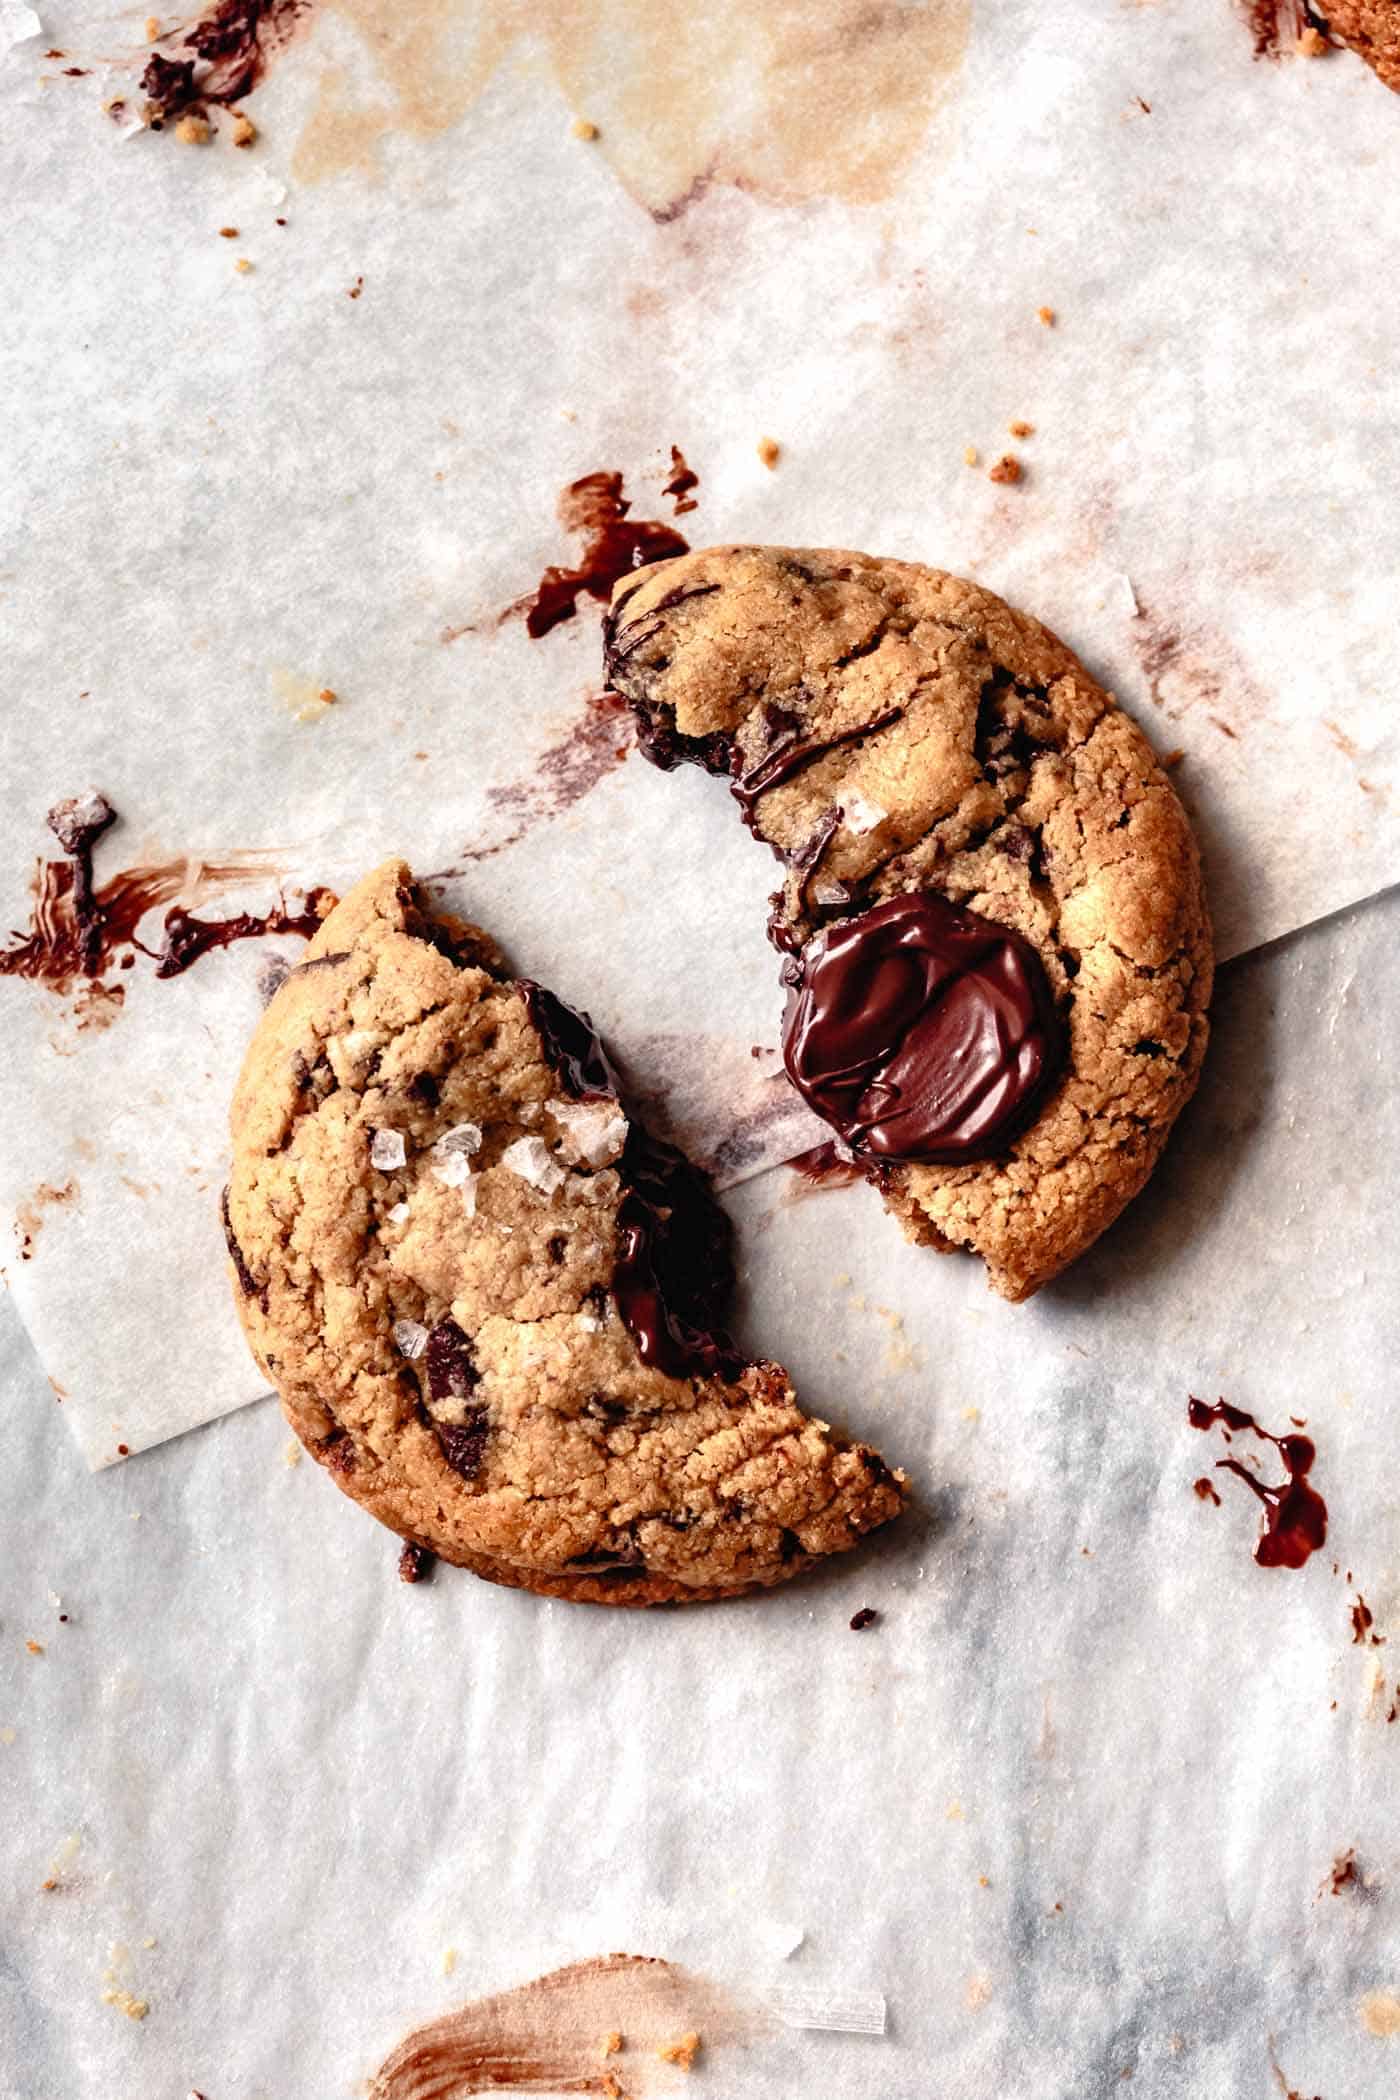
[
  {"x": 998, "y": 950},
  {"x": 491, "y": 1303}
]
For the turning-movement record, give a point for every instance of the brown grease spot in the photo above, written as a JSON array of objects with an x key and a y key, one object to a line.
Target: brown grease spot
[{"x": 836, "y": 101}]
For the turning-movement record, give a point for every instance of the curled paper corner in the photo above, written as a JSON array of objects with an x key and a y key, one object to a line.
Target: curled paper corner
[
  {"x": 18, "y": 25},
  {"x": 780, "y": 1938},
  {"x": 826, "y": 2009}
]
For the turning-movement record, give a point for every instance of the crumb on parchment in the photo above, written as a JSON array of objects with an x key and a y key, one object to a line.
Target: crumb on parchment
[
  {"x": 770, "y": 452},
  {"x": 682, "y": 2052},
  {"x": 193, "y": 130},
  {"x": 583, "y": 129},
  {"x": 1005, "y": 469},
  {"x": 1312, "y": 43},
  {"x": 449, "y": 1960},
  {"x": 609, "y": 2045},
  {"x": 970, "y": 455},
  {"x": 1021, "y": 429},
  {"x": 243, "y": 266},
  {"x": 1046, "y": 316},
  {"x": 243, "y": 130}
]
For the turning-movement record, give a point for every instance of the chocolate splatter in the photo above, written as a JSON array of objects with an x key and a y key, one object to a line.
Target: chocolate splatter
[
  {"x": 217, "y": 58},
  {"x": 1205, "y": 1490},
  {"x": 79, "y": 929},
  {"x": 825, "y": 1167},
  {"x": 1362, "y": 1621},
  {"x": 595, "y": 510},
  {"x": 543, "y": 2036},
  {"x": 593, "y": 746},
  {"x": 29, "y": 1215},
  {"x": 1343, "y": 1874},
  {"x": 1295, "y": 1515},
  {"x": 187, "y": 938},
  {"x": 682, "y": 480}
]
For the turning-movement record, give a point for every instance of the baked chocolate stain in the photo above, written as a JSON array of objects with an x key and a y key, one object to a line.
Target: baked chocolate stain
[
  {"x": 80, "y": 929},
  {"x": 683, "y": 478},
  {"x": 824, "y": 1167},
  {"x": 595, "y": 744},
  {"x": 595, "y": 510},
  {"x": 545, "y": 2036},
  {"x": 218, "y": 57},
  {"x": 1295, "y": 1515}
]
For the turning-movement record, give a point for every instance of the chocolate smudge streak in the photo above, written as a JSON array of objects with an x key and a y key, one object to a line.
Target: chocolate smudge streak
[
  {"x": 79, "y": 930},
  {"x": 217, "y": 58},
  {"x": 682, "y": 480},
  {"x": 594, "y": 746},
  {"x": 544, "y": 2036},
  {"x": 595, "y": 510},
  {"x": 1295, "y": 1515}
]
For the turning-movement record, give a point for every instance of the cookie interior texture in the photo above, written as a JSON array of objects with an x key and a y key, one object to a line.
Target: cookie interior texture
[
  {"x": 889, "y": 728},
  {"x": 427, "y": 1206}
]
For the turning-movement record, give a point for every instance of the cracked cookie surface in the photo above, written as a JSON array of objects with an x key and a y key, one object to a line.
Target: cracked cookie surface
[
  {"x": 888, "y": 729},
  {"x": 488, "y": 1300}
]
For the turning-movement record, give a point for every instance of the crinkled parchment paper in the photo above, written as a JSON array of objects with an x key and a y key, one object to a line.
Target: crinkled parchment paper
[{"x": 1070, "y": 1802}]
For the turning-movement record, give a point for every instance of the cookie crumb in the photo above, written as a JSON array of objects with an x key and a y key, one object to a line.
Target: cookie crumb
[
  {"x": 7, "y": 1736},
  {"x": 292, "y": 1455},
  {"x": 356, "y": 288},
  {"x": 327, "y": 696},
  {"x": 449, "y": 1960},
  {"x": 770, "y": 452},
  {"x": 1018, "y": 429},
  {"x": 1172, "y": 758},
  {"x": 971, "y": 1414},
  {"x": 1313, "y": 44},
  {"x": 1006, "y": 469},
  {"x": 192, "y": 130},
  {"x": 152, "y": 28},
  {"x": 243, "y": 266},
  {"x": 866, "y": 1616},
  {"x": 416, "y": 1563},
  {"x": 583, "y": 129},
  {"x": 243, "y": 133},
  {"x": 228, "y": 233},
  {"x": 611, "y": 2089},
  {"x": 683, "y": 2052},
  {"x": 970, "y": 455},
  {"x": 134, "y": 2008},
  {"x": 35, "y": 1647},
  {"x": 1046, "y": 316},
  {"x": 983, "y": 1881},
  {"x": 610, "y": 2044}
]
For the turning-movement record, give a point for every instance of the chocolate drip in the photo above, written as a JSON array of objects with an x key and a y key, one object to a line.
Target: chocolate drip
[
  {"x": 595, "y": 508},
  {"x": 1295, "y": 1515},
  {"x": 187, "y": 938}
]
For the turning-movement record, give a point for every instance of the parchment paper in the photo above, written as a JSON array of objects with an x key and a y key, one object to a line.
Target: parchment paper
[
  {"x": 1075, "y": 1804},
  {"x": 230, "y": 490}
]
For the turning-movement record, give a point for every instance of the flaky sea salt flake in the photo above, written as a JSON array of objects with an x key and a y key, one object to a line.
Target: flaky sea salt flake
[
  {"x": 462, "y": 1137},
  {"x": 410, "y": 1338},
  {"x": 532, "y": 1160},
  {"x": 386, "y": 1151},
  {"x": 594, "y": 1132},
  {"x": 861, "y": 816}
]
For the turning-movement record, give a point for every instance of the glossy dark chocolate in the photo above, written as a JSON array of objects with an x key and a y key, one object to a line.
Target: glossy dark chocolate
[
  {"x": 922, "y": 1032},
  {"x": 571, "y": 1044},
  {"x": 674, "y": 1273}
]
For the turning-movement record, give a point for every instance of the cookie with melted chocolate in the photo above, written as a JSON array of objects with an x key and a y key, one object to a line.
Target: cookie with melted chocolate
[
  {"x": 491, "y": 1303},
  {"x": 999, "y": 954}
]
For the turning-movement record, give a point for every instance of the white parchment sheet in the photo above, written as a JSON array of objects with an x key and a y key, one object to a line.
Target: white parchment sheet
[
  {"x": 229, "y": 490},
  {"x": 226, "y": 490}
]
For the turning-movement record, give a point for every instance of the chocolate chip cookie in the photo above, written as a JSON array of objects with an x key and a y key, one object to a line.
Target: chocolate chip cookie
[
  {"x": 998, "y": 950},
  {"x": 491, "y": 1303},
  {"x": 1371, "y": 28}
]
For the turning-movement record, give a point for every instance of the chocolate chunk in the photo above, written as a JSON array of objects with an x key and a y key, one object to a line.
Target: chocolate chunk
[
  {"x": 451, "y": 1369},
  {"x": 247, "y": 1282},
  {"x": 674, "y": 1272},
  {"x": 464, "y": 1443},
  {"x": 922, "y": 1032},
  {"x": 79, "y": 822},
  {"x": 571, "y": 1044},
  {"x": 866, "y": 1616}
]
